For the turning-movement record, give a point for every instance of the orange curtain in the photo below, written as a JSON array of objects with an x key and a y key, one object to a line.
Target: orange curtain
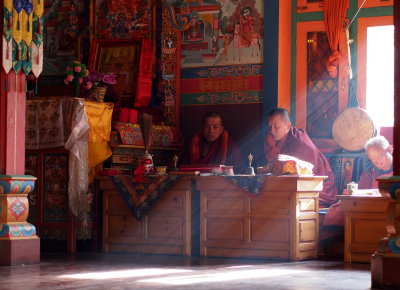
[{"x": 334, "y": 18}]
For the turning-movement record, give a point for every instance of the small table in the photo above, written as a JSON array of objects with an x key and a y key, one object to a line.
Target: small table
[{"x": 365, "y": 225}]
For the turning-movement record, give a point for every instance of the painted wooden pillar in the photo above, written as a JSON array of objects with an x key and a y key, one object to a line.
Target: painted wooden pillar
[
  {"x": 385, "y": 262},
  {"x": 19, "y": 243}
]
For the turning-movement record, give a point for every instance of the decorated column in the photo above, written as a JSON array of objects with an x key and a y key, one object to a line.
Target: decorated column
[
  {"x": 22, "y": 53},
  {"x": 19, "y": 243},
  {"x": 385, "y": 262}
]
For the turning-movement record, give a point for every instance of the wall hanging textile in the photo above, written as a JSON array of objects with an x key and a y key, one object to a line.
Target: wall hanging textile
[
  {"x": 335, "y": 21},
  {"x": 99, "y": 117},
  {"x": 22, "y": 36},
  {"x": 145, "y": 75}
]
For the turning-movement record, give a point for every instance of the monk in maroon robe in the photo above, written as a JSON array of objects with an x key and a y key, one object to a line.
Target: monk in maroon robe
[
  {"x": 379, "y": 152},
  {"x": 283, "y": 138},
  {"x": 214, "y": 146}
]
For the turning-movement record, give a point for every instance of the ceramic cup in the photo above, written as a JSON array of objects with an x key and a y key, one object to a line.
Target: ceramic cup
[
  {"x": 228, "y": 170},
  {"x": 161, "y": 169}
]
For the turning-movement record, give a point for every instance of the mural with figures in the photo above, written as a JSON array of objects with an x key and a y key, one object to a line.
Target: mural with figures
[
  {"x": 123, "y": 18},
  {"x": 221, "y": 32},
  {"x": 64, "y": 27}
]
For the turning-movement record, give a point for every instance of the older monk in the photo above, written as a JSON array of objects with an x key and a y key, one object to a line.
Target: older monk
[
  {"x": 283, "y": 138},
  {"x": 379, "y": 152},
  {"x": 214, "y": 146}
]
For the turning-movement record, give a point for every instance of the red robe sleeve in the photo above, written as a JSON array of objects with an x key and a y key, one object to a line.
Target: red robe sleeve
[{"x": 299, "y": 145}]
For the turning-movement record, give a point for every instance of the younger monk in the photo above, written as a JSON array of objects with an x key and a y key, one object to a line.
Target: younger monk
[
  {"x": 379, "y": 152},
  {"x": 283, "y": 138},
  {"x": 213, "y": 145}
]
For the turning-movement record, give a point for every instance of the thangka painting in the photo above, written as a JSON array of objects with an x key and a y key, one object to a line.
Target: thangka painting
[
  {"x": 117, "y": 19},
  {"x": 222, "y": 32},
  {"x": 64, "y": 25}
]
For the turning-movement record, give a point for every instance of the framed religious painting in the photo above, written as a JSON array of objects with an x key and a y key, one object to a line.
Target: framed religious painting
[
  {"x": 120, "y": 57},
  {"x": 122, "y": 19}
]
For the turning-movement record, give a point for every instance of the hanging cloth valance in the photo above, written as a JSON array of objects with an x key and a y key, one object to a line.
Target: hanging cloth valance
[
  {"x": 334, "y": 19},
  {"x": 23, "y": 36}
]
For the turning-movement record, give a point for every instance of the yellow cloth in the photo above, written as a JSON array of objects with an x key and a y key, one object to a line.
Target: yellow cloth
[
  {"x": 38, "y": 7},
  {"x": 8, "y": 4},
  {"x": 99, "y": 117},
  {"x": 17, "y": 26},
  {"x": 26, "y": 27}
]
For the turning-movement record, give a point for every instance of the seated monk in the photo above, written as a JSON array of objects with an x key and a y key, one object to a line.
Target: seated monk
[
  {"x": 283, "y": 138},
  {"x": 379, "y": 153},
  {"x": 214, "y": 146}
]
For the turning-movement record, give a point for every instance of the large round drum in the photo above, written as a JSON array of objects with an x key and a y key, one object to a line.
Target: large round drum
[{"x": 352, "y": 129}]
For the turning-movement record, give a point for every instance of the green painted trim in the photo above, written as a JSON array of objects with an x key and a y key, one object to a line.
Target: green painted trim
[
  {"x": 17, "y": 177},
  {"x": 310, "y": 16},
  {"x": 222, "y": 98},
  {"x": 353, "y": 31},
  {"x": 377, "y": 11}
]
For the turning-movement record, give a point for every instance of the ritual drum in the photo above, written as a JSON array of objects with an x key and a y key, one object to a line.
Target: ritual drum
[{"x": 353, "y": 128}]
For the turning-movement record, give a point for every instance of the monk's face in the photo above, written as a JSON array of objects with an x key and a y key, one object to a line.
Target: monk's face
[
  {"x": 380, "y": 157},
  {"x": 278, "y": 127},
  {"x": 212, "y": 128}
]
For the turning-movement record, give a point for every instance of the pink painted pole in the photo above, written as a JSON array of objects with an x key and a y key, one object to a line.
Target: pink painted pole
[{"x": 396, "y": 127}]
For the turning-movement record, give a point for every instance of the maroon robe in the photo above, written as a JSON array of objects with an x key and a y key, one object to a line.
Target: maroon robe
[
  {"x": 368, "y": 177},
  {"x": 222, "y": 151},
  {"x": 299, "y": 145}
]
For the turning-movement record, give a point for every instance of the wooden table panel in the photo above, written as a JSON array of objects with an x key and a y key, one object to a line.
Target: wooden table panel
[
  {"x": 166, "y": 229},
  {"x": 365, "y": 225},
  {"x": 281, "y": 222}
]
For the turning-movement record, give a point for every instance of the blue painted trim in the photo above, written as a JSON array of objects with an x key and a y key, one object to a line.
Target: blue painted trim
[{"x": 271, "y": 33}]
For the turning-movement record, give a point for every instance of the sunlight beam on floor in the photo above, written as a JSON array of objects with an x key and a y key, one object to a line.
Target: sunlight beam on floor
[
  {"x": 124, "y": 274},
  {"x": 221, "y": 277}
]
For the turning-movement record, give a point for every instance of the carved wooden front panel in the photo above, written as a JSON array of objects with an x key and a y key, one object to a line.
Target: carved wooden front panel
[
  {"x": 280, "y": 222},
  {"x": 164, "y": 230}
]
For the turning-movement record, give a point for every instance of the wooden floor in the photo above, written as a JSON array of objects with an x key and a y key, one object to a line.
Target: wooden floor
[{"x": 130, "y": 271}]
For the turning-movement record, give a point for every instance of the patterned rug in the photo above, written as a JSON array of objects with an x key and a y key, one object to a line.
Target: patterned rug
[{"x": 139, "y": 197}]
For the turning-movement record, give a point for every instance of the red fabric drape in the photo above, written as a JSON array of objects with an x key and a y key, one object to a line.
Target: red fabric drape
[
  {"x": 145, "y": 75},
  {"x": 334, "y": 18}
]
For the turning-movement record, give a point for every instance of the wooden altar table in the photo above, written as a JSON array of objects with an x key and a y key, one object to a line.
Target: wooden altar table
[
  {"x": 280, "y": 223},
  {"x": 165, "y": 229},
  {"x": 211, "y": 216}
]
